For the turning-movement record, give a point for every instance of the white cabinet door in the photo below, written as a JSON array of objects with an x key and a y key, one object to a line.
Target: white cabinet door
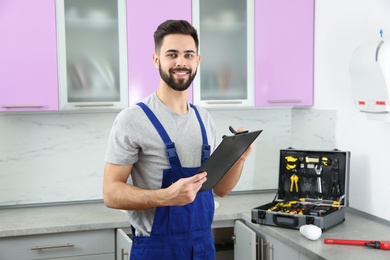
[
  {"x": 123, "y": 245},
  {"x": 252, "y": 242},
  {"x": 303, "y": 257},
  {"x": 92, "y": 54},
  {"x": 226, "y": 73},
  {"x": 276, "y": 250},
  {"x": 244, "y": 242}
]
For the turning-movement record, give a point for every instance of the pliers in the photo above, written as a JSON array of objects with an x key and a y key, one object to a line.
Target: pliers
[{"x": 294, "y": 180}]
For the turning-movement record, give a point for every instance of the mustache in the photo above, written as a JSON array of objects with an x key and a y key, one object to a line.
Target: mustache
[{"x": 180, "y": 69}]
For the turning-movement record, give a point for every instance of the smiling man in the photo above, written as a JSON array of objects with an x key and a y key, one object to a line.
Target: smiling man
[
  {"x": 154, "y": 153},
  {"x": 185, "y": 75}
]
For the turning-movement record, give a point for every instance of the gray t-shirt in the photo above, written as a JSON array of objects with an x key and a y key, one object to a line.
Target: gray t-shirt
[{"x": 134, "y": 140}]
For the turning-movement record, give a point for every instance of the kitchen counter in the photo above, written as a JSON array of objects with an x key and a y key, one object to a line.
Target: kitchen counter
[
  {"x": 96, "y": 216},
  {"x": 354, "y": 227},
  {"x": 81, "y": 217}
]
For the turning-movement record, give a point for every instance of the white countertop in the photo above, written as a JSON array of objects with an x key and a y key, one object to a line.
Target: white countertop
[
  {"x": 94, "y": 216},
  {"x": 79, "y": 217},
  {"x": 354, "y": 227}
]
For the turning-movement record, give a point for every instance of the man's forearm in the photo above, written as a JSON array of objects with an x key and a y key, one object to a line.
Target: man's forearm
[
  {"x": 229, "y": 181},
  {"x": 129, "y": 197}
]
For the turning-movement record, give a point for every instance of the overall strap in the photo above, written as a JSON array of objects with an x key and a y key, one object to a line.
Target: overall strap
[
  {"x": 205, "y": 146},
  {"x": 169, "y": 145}
]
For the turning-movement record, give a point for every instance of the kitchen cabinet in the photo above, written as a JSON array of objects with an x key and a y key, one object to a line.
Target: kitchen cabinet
[
  {"x": 226, "y": 72},
  {"x": 251, "y": 243},
  {"x": 245, "y": 242},
  {"x": 222, "y": 240},
  {"x": 284, "y": 49},
  {"x": 85, "y": 245},
  {"x": 28, "y": 63},
  {"x": 144, "y": 78},
  {"x": 92, "y": 54},
  {"x": 274, "y": 249},
  {"x": 254, "y": 53},
  {"x": 123, "y": 244},
  {"x": 303, "y": 257}
]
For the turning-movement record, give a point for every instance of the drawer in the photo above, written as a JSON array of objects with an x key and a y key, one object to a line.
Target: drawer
[{"x": 58, "y": 245}]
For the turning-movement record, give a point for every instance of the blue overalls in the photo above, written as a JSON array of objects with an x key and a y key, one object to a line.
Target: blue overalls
[{"x": 178, "y": 232}]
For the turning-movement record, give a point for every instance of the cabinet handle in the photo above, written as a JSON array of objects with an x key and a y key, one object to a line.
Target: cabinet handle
[
  {"x": 259, "y": 250},
  {"x": 269, "y": 249},
  {"x": 223, "y": 102},
  {"x": 23, "y": 106},
  {"x": 123, "y": 254},
  {"x": 276, "y": 101},
  {"x": 94, "y": 105},
  {"x": 52, "y": 247}
]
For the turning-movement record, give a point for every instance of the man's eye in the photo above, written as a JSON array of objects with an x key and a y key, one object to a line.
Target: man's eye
[
  {"x": 172, "y": 55},
  {"x": 189, "y": 55}
]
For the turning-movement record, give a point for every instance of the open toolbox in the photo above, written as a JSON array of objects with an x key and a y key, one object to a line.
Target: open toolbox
[{"x": 312, "y": 189}]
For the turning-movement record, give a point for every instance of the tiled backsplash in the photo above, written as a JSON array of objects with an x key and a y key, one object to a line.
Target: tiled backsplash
[{"x": 59, "y": 157}]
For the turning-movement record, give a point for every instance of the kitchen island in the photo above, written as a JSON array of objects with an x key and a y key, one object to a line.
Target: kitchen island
[{"x": 24, "y": 222}]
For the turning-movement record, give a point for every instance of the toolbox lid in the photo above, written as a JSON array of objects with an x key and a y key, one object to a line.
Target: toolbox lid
[{"x": 314, "y": 176}]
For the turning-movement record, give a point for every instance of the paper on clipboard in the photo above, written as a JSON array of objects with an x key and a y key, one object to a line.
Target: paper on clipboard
[{"x": 225, "y": 155}]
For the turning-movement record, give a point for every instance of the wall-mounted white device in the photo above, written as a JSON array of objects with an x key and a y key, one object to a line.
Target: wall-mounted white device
[{"x": 370, "y": 76}]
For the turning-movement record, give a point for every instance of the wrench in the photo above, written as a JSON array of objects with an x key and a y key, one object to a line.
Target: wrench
[{"x": 319, "y": 181}]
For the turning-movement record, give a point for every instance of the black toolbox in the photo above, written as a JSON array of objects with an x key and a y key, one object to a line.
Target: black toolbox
[{"x": 313, "y": 189}]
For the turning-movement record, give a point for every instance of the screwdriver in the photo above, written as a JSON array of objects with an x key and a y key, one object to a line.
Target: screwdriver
[{"x": 384, "y": 245}]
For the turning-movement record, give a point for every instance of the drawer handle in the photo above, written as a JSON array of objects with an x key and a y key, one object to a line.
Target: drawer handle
[
  {"x": 25, "y": 106},
  {"x": 276, "y": 101},
  {"x": 223, "y": 102},
  {"x": 259, "y": 250},
  {"x": 52, "y": 247},
  {"x": 94, "y": 105}
]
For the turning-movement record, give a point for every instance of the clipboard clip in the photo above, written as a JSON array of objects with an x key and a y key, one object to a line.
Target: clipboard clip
[{"x": 234, "y": 132}]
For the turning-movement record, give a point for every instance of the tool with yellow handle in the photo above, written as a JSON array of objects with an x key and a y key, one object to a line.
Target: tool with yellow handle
[
  {"x": 290, "y": 166},
  {"x": 294, "y": 182},
  {"x": 313, "y": 159},
  {"x": 291, "y": 158}
]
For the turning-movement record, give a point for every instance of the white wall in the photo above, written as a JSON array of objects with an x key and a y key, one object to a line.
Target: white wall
[
  {"x": 59, "y": 157},
  {"x": 341, "y": 26}
]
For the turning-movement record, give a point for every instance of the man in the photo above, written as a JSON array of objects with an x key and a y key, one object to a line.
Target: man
[{"x": 160, "y": 144}]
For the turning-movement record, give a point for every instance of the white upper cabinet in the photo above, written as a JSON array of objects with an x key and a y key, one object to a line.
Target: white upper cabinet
[
  {"x": 226, "y": 34},
  {"x": 92, "y": 54}
]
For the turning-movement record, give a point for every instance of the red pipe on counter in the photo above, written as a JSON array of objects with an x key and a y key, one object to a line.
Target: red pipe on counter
[{"x": 384, "y": 245}]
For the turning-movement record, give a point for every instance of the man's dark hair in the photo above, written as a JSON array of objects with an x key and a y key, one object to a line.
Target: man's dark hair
[{"x": 174, "y": 27}]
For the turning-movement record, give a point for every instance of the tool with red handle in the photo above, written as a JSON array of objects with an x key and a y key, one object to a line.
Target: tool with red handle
[{"x": 384, "y": 245}]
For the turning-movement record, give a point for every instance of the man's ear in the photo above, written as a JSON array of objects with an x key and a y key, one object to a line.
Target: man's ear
[
  {"x": 199, "y": 58},
  {"x": 156, "y": 60}
]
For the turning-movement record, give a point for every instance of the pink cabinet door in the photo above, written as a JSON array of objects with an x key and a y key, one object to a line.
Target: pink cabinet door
[
  {"x": 143, "y": 17},
  {"x": 284, "y": 45},
  {"x": 28, "y": 63}
]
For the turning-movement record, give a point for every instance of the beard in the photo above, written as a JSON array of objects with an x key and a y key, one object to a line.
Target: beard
[{"x": 180, "y": 84}]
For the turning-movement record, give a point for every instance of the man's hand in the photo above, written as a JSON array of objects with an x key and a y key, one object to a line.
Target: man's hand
[
  {"x": 120, "y": 195},
  {"x": 227, "y": 183},
  {"x": 184, "y": 190},
  {"x": 247, "y": 151}
]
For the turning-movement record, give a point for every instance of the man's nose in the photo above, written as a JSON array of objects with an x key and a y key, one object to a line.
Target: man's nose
[{"x": 181, "y": 61}]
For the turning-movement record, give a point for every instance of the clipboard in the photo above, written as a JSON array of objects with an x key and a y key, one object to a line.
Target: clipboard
[{"x": 225, "y": 156}]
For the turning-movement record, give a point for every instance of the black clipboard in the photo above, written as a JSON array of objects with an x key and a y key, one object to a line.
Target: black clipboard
[{"x": 225, "y": 155}]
